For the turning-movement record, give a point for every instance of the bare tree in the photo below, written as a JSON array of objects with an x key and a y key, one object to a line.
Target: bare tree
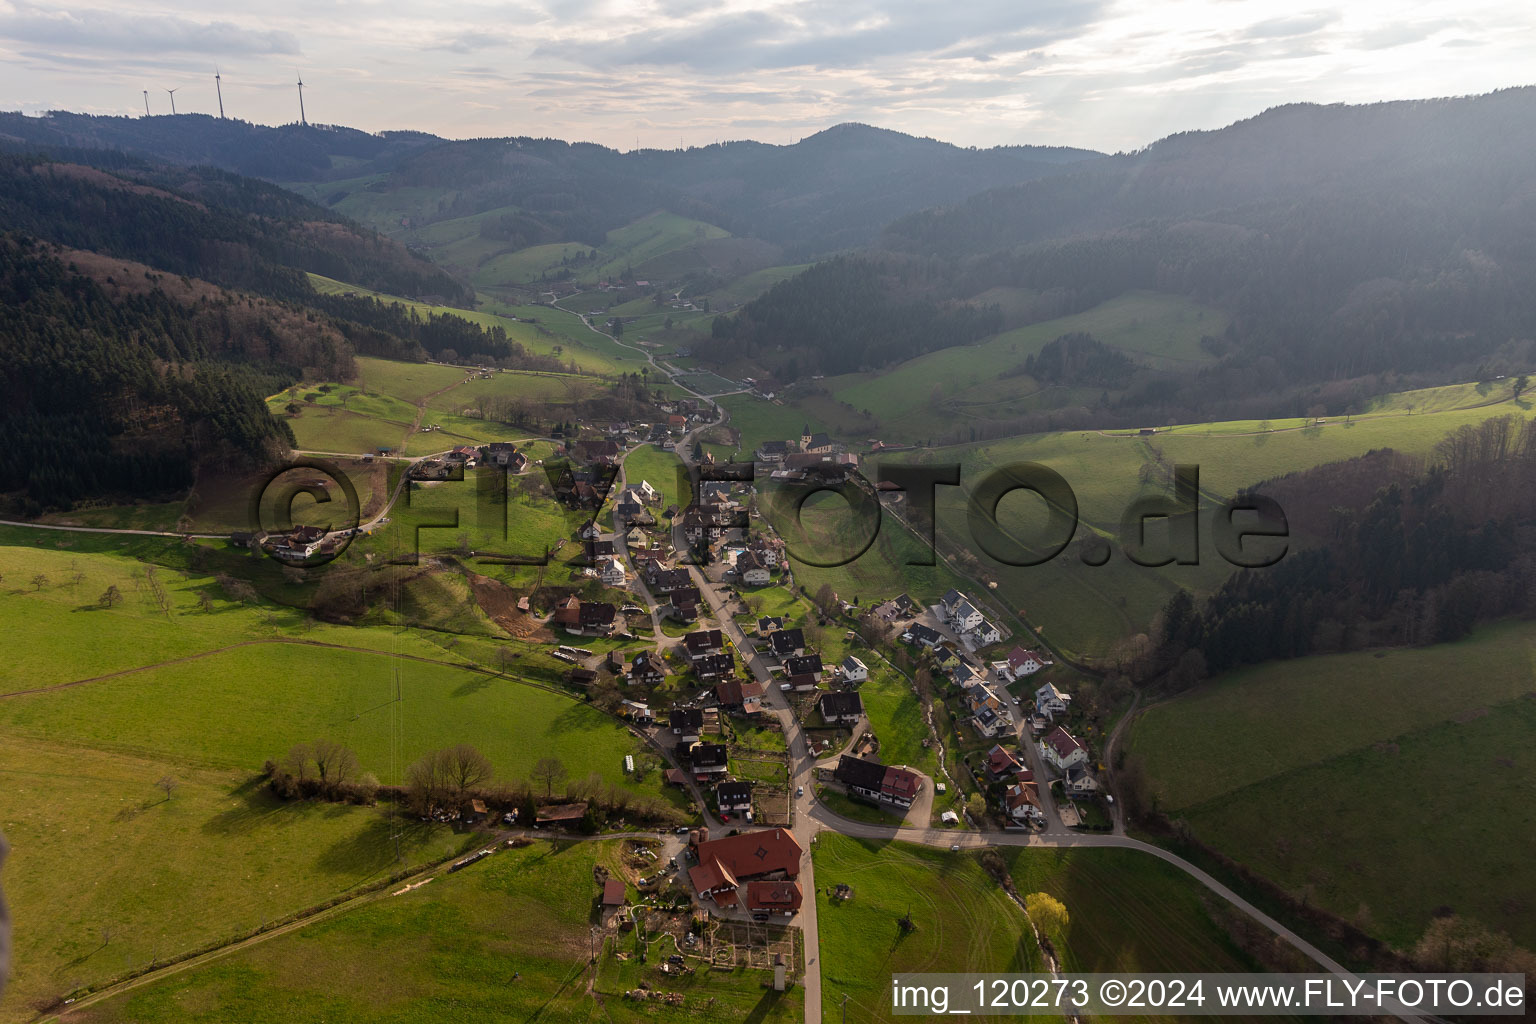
[
  {"x": 169, "y": 785},
  {"x": 423, "y": 784},
  {"x": 335, "y": 762},
  {"x": 549, "y": 770},
  {"x": 297, "y": 763},
  {"x": 464, "y": 768},
  {"x": 110, "y": 596},
  {"x": 205, "y": 600},
  {"x": 39, "y": 581}
]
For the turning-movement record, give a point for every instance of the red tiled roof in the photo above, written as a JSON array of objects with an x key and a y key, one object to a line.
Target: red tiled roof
[
  {"x": 1062, "y": 742},
  {"x": 784, "y": 895},
  {"x": 751, "y": 854},
  {"x": 613, "y": 893}
]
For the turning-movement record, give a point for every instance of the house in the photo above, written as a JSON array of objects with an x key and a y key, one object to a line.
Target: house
[
  {"x": 738, "y": 697},
  {"x": 708, "y": 758},
  {"x": 772, "y": 451},
  {"x": 1023, "y": 662},
  {"x": 753, "y": 572},
  {"x": 786, "y": 643},
  {"x": 886, "y": 784},
  {"x": 686, "y": 724},
  {"x": 964, "y": 616},
  {"x": 703, "y": 643},
  {"x": 1050, "y": 701},
  {"x": 464, "y": 455},
  {"x": 1061, "y": 750},
  {"x": 990, "y": 713},
  {"x": 299, "y": 543},
  {"x": 1079, "y": 782},
  {"x": 767, "y": 552},
  {"x": 647, "y": 669},
  {"x": 613, "y": 892},
  {"x": 590, "y": 530},
  {"x": 504, "y": 453},
  {"x": 714, "y": 666},
  {"x": 677, "y": 423},
  {"x": 636, "y": 712},
  {"x": 773, "y": 899},
  {"x": 804, "y": 665},
  {"x": 734, "y": 797},
  {"x": 844, "y": 708},
  {"x": 921, "y": 635},
  {"x": 567, "y": 612},
  {"x": 561, "y": 814},
  {"x": 1021, "y": 803},
  {"x": 721, "y": 865},
  {"x": 597, "y": 618},
  {"x": 854, "y": 670},
  {"x": 611, "y": 571},
  {"x": 685, "y": 604},
  {"x": 648, "y": 494},
  {"x": 768, "y": 624},
  {"x": 662, "y": 580},
  {"x": 987, "y": 633},
  {"x": 962, "y": 673},
  {"x": 1001, "y": 764}
]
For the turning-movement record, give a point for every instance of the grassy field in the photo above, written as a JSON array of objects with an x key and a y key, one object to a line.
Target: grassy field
[
  {"x": 506, "y": 939},
  {"x": 108, "y": 873},
  {"x": 964, "y": 921},
  {"x": 535, "y": 337},
  {"x": 661, "y": 469},
  {"x": 932, "y": 394},
  {"x": 1393, "y": 781},
  {"x": 748, "y": 287}
]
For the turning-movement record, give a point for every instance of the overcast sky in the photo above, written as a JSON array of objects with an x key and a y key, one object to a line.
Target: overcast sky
[{"x": 1105, "y": 74}]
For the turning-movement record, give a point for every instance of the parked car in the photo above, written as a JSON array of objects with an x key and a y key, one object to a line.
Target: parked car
[{"x": 799, "y": 791}]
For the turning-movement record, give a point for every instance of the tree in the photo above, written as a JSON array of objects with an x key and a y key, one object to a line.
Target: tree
[
  {"x": 1047, "y": 913},
  {"x": 110, "y": 596},
  {"x": 168, "y": 784},
  {"x": 464, "y": 768},
  {"x": 976, "y": 806},
  {"x": 826, "y": 598},
  {"x": 549, "y": 770},
  {"x": 205, "y": 600},
  {"x": 334, "y": 762},
  {"x": 1521, "y": 383},
  {"x": 39, "y": 581}
]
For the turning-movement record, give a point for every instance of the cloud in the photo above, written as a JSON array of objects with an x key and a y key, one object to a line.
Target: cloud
[
  {"x": 1296, "y": 25},
  {"x": 96, "y": 29}
]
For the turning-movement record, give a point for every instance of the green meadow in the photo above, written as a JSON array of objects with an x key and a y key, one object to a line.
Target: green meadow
[
  {"x": 505, "y": 939},
  {"x": 1360, "y": 775}
]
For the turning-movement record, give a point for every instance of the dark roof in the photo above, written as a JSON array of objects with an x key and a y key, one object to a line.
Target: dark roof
[
  {"x": 733, "y": 792},
  {"x": 805, "y": 664},
  {"x": 855, "y": 771},
  {"x": 922, "y": 633},
  {"x": 708, "y": 755},
  {"x": 769, "y": 623},
  {"x": 704, "y": 639},
  {"x": 613, "y": 893},
  {"x": 836, "y": 705},
  {"x": 715, "y": 664},
  {"x": 649, "y": 661},
  {"x": 600, "y": 613},
  {"x": 684, "y": 718},
  {"x": 786, "y": 641}
]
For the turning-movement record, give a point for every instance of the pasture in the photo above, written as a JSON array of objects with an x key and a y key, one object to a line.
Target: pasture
[
  {"x": 507, "y": 938},
  {"x": 663, "y": 470},
  {"x": 964, "y": 921},
  {"x": 1361, "y": 775}
]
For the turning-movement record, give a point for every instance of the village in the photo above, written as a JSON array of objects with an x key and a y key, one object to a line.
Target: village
[{"x": 759, "y": 717}]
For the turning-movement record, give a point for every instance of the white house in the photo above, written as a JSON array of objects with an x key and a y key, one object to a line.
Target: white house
[
  {"x": 987, "y": 633},
  {"x": 854, "y": 670},
  {"x": 1051, "y": 701},
  {"x": 649, "y": 494},
  {"x": 1023, "y": 663},
  {"x": 611, "y": 571},
  {"x": 964, "y": 617},
  {"x": 1061, "y": 750}
]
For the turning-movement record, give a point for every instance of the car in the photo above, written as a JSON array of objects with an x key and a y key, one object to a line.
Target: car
[
  {"x": 955, "y": 848},
  {"x": 786, "y": 687},
  {"x": 799, "y": 791}
]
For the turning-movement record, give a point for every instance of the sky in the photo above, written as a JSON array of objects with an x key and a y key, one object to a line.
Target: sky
[{"x": 1102, "y": 74}]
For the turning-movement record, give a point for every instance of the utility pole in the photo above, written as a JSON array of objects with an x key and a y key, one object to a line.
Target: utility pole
[
  {"x": 146, "y": 102},
  {"x": 845, "y": 1008}
]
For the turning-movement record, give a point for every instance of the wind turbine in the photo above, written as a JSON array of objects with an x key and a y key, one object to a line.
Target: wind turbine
[
  {"x": 146, "y": 102},
  {"x": 302, "y": 122},
  {"x": 218, "y": 86},
  {"x": 173, "y": 100}
]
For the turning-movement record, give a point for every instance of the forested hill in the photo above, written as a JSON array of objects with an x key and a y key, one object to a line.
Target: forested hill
[
  {"x": 834, "y": 190},
  {"x": 289, "y": 152},
  {"x": 108, "y": 392},
  {"x": 203, "y": 222}
]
